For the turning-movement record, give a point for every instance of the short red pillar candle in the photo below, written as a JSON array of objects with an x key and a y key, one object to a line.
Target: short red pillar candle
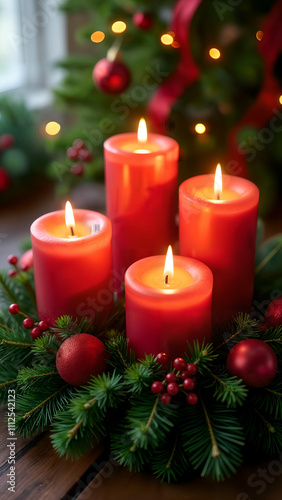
[
  {"x": 141, "y": 193},
  {"x": 72, "y": 265},
  {"x": 162, "y": 314},
  {"x": 219, "y": 229}
]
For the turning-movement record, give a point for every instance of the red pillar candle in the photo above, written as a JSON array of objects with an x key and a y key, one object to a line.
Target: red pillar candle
[
  {"x": 72, "y": 265},
  {"x": 164, "y": 309},
  {"x": 217, "y": 225},
  {"x": 141, "y": 191}
]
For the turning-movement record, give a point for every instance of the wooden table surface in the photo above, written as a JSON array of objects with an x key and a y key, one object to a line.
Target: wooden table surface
[{"x": 41, "y": 475}]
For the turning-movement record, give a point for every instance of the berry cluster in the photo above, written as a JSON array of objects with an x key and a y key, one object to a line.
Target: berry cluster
[
  {"x": 36, "y": 329},
  {"x": 180, "y": 379},
  {"x": 79, "y": 153},
  {"x": 24, "y": 264}
]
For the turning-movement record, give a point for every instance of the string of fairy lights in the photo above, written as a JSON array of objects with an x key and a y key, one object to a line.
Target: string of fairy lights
[{"x": 53, "y": 128}]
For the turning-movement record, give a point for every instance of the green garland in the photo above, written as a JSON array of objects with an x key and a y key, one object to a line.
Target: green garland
[{"x": 173, "y": 440}]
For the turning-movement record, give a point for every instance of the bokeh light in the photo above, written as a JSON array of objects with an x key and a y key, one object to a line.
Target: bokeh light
[
  {"x": 259, "y": 35},
  {"x": 214, "y": 53},
  {"x": 52, "y": 128},
  {"x": 200, "y": 128},
  {"x": 280, "y": 99},
  {"x": 97, "y": 36},
  {"x": 119, "y": 27},
  {"x": 167, "y": 39}
]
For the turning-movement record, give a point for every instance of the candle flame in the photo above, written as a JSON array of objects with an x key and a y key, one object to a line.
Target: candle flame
[
  {"x": 69, "y": 217},
  {"x": 218, "y": 182},
  {"x": 169, "y": 267},
  {"x": 142, "y": 131}
]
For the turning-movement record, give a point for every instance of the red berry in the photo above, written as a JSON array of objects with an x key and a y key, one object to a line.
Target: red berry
[
  {"x": 165, "y": 398},
  {"x": 14, "y": 309},
  {"x": 263, "y": 327},
  {"x": 157, "y": 387},
  {"x": 179, "y": 364},
  {"x": 6, "y": 141},
  {"x": 77, "y": 169},
  {"x": 184, "y": 375},
  {"x": 173, "y": 389},
  {"x": 35, "y": 333},
  {"x": 12, "y": 259},
  {"x": 192, "y": 369},
  {"x": 162, "y": 358},
  {"x": 192, "y": 398},
  {"x": 170, "y": 377},
  {"x": 84, "y": 155},
  {"x": 189, "y": 384},
  {"x": 142, "y": 20},
  {"x": 12, "y": 273},
  {"x": 72, "y": 153},
  {"x": 78, "y": 144},
  {"x": 28, "y": 323},
  {"x": 43, "y": 326}
]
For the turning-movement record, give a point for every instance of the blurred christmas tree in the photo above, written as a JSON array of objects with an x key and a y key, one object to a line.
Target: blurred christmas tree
[{"x": 208, "y": 73}]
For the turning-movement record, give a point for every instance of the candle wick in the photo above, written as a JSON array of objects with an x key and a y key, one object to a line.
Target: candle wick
[
  {"x": 166, "y": 279},
  {"x": 218, "y": 196},
  {"x": 71, "y": 230}
]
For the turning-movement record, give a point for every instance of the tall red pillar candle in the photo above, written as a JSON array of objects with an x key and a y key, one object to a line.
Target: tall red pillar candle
[
  {"x": 162, "y": 314},
  {"x": 72, "y": 265},
  {"x": 141, "y": 193},
  {"x": 219, "y": 229}
]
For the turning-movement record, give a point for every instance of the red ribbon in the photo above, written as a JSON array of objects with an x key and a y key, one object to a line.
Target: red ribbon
[
  {"x": 263, "y": 108},
  {"x": 186, "y": 72}
]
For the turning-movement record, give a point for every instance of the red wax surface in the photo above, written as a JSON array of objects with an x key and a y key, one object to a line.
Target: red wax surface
[
  {"x": 161, "y": 318},
  {"x": 222, "y": 234},
  {"x": 72, "y": 275},
  {"x": 141, "y": 192}
]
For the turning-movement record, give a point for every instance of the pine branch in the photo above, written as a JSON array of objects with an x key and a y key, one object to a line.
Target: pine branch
[
  {"x": 15, "y": 347},
  {"x": 269, "y": 399},
  {"x": 273, "y": 337},
  {"x": 35, "y": 377},
  {"x": 149, "y": 421},
  {"x": 140, "y": 376},
  {"x": 212, "y": 438},
  {"x": 45, "y": 348},
  {"x": 122, "y": 448},
  {"x": 86, "y": 414},
  {"x": 66, "y": 326},
  {"x": 201, "y": 355},
  {"x": 121, "y": 357},
  {"x": 261, "y": 430},
  {"x": 36, "y": 408},
  {"x": 170, "y": 461},
  {"x": 243, "y": 327},
  {"x": 227, "y": 389},
  {"x": 14, "y": 291}
]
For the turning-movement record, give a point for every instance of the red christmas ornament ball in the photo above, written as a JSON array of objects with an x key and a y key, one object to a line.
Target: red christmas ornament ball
[
  {"x": 143, "y": 20},
  {"x": 273, "y": 314},
  {"x": 254, "y": 362},
  {"x": 5, "y": 180},
  {"x": 111, "y": 77},
  {"x": 79, "y": 357}
]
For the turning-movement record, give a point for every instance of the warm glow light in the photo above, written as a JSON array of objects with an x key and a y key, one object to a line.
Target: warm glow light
[
  {"x": 259, "y": 35},
  {"x": 169, "y": 267},
  {"x": 167, "y": 39},
  {"x": 280, "y": 99},
  {"x": 69, "y": 218},
  {"x": 118, "y": 27},
  {"x": 218, "y": 182},
  {"x": 214, "y": 53},
  {"x": 97, "y": 36},
  {"x": 175, "y": 44},
  {"x": 200, "y": 128},
  {"x": 52, "y": 128},
  {"x": 142, "y": 131}
]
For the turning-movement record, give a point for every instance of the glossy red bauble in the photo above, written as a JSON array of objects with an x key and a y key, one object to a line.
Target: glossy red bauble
[
  {"x": 79, "y": 357},
  {"x": 273, "y": 314},
  {"x": 254, "y": 362},
  {"x": 111, "y": 77}
]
